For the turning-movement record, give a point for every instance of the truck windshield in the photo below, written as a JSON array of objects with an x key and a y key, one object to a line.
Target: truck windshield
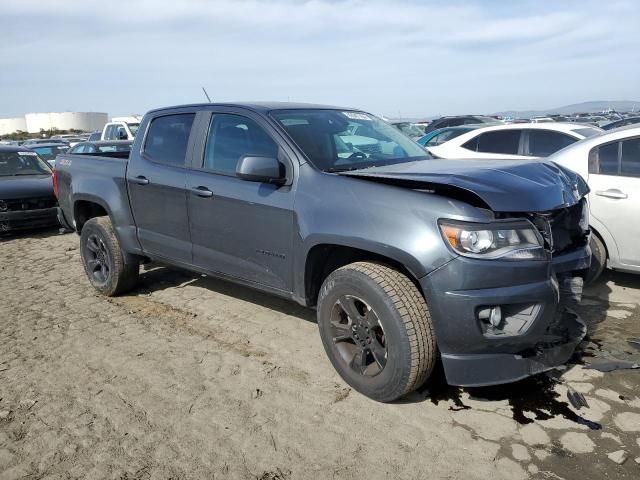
[
  {"x": 335, "y": 140},
  {"x": 22, "y": 163}
]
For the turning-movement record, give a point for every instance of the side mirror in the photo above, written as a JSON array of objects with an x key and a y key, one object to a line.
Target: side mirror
[{"x": 260, "y": 169}]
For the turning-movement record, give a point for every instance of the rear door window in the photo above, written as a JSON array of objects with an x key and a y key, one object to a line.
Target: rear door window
[
  {"x": 543, "y": 143},
  {"x": 630, "y": 158},
  {"x": 168, "y": 137},
  {"x": 603, "y": 159},
  {"x": 503, "y": 141}
]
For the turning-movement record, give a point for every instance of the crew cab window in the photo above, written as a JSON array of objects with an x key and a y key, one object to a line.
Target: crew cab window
[
  {"x": 543, "y": 143},
  {"x": 232, "y": 137},
  {"x": 630, "y": 158},
  {"x": 168, "y": 137},
  {"x": 504, "y": 141}
]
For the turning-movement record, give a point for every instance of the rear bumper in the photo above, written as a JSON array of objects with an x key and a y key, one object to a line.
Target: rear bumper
[
  {"x": 27, "y": 219},
  {"x": 535, "y": 333},
  {"x": 63, "y": 221}
]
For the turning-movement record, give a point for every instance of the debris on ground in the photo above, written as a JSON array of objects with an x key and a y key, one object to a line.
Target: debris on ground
[
  {"x": 611, "y": 366},
  {"x": 576, "y": 399},
  {"x": 619, "y": 456}
]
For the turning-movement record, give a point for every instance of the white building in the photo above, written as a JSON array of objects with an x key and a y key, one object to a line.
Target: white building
[
  {"x": 85, "y": 121},
  {"x": 11, "y": 125}
]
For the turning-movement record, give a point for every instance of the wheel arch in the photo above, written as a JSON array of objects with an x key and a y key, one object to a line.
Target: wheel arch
[
  {"x": 87, "y": 207},
  {"x": 324, "y": 258}
]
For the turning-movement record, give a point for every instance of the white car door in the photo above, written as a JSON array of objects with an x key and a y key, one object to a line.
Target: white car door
[{"x": 614, "y": 180}]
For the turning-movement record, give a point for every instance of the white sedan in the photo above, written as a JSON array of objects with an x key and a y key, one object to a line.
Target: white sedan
[
  {"x": 610, "y": 163},
  {"x": 518, "y": 141}
]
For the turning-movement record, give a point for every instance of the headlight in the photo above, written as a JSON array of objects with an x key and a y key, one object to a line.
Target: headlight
[{"x": 509, "y": 241}]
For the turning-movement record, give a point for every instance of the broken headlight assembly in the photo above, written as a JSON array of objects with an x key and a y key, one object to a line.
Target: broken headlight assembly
[{"x": 504, "y": 241}]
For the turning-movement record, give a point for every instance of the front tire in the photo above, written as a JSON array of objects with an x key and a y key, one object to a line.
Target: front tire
[
  {"x": 598, "y": 259},
  {"x": 103, "y": 259},
  {"x": 376, "y": 329}
]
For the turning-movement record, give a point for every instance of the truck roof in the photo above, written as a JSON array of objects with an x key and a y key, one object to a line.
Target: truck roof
[{"x": 256, "y": 106}]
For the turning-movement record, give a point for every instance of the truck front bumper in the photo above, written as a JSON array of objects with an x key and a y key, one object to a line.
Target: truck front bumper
[
  {"x": 27, "y": 219},
  {"x": 535, "y": 332}
]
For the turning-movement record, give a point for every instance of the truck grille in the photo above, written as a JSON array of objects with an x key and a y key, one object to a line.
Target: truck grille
[
  {"x": 561, "y": 229},
  {"x": 21, "y": 204}
]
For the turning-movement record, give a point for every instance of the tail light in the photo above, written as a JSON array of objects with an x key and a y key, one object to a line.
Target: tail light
[{"x": 54, "y": 177}]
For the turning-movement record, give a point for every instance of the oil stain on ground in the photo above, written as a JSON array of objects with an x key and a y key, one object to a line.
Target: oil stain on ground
[{"x": 531, "y": 399}]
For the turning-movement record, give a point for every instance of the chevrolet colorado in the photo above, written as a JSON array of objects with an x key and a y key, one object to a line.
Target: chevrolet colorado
[{"x": 406, "y": 259}]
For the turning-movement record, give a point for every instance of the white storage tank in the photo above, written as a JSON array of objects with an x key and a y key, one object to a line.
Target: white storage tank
[
  {"x": 12, "y": 125},
  {"x": 85, "y": 121}
]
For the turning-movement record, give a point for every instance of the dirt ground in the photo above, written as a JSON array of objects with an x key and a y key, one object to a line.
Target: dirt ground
[{"x": 190, "y": 377}]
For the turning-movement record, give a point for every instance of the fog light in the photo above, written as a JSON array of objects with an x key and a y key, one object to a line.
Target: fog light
[{"x": 492, "y": 315}]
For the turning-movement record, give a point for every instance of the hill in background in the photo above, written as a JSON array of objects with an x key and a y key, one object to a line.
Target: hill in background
[{"x": 587, "y": 107}]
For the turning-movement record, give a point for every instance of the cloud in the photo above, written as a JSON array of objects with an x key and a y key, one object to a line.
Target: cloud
[{"x": 405, "y": 56}]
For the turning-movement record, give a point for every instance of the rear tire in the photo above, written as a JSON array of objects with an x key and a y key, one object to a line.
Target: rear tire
[
  {"x": 598, "y": 259},
  {"x": 376, "y": 329},
  {"x": 103, "y": 259}
]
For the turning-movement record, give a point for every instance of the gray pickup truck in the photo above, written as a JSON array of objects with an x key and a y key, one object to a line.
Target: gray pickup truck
[{"x": 408, "y": 260}]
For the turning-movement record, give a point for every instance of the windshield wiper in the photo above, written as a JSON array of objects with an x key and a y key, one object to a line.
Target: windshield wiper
[{"x": 346, "y": 169}]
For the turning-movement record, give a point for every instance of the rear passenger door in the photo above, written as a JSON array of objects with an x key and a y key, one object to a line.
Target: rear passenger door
[
  {"x": 239, "y": 228},
  {"x": 157, "y": 187},
  {"x": 614, "y": 179}
]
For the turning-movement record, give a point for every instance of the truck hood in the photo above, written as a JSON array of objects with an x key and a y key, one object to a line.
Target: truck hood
[
  {"x": 502, "y": 185},
  {"x": 26, "y": 186}
]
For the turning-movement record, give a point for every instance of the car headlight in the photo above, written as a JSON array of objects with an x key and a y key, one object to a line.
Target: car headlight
[{"x": 509, "y": 241}]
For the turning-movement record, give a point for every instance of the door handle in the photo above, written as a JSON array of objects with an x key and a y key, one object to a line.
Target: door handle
[
  {"x": 202, "y": 192},
  {"x": 612, "y": 193},
  {"x": 140, "y": 180}
]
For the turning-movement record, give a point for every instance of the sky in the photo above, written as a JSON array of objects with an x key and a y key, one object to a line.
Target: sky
[{"x": 398, "y": 58}]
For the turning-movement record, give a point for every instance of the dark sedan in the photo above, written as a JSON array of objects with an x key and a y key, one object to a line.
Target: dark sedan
[
  {"x": 49, "y": 151},
  {"x": 26, "y": 191}
]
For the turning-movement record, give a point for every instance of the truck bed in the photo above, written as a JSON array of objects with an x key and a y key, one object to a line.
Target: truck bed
[{"x": 93, "y": 178}]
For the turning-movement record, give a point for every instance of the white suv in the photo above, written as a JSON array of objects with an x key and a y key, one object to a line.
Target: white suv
[{"x": 518, "y": 141}]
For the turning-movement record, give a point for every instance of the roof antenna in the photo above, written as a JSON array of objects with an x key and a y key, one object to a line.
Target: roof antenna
[{"x": 206, "y": 94}]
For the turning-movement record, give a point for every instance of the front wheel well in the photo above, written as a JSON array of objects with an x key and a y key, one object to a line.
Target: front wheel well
[
  {"x": 84, "y": 210},
  {"x": 325, "y": 258},
  {"x": 597, "y": 234}
]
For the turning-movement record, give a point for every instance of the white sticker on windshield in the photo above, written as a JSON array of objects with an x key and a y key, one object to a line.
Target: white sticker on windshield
[
  {"x": 28, "y": 153},
  {"x": 357, "y": 116}
]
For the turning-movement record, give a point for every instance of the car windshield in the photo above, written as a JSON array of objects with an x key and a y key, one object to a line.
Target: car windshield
[
  {"x": 49, "y": 152},
  {"x": 335, "y": 140},
  {"x": 22, "y": 163},
  {"x": 588, "y": 132}
]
